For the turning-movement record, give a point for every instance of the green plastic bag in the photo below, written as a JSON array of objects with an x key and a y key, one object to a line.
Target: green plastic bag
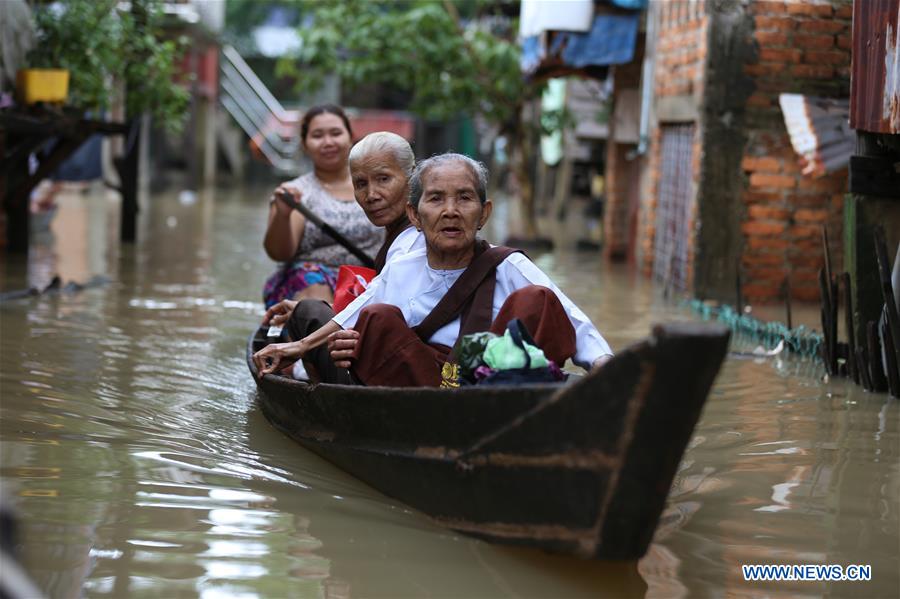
[
  {"x": 503, "y": 353},
  {"x": 469, "y": 354}
]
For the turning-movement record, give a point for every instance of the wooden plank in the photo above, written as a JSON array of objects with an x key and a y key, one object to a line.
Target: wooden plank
[
  {"x": 876, "y": 369},
  {"x": 893, "y": 373}
]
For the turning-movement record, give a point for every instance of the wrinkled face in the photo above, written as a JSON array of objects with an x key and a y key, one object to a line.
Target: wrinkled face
[
  {"x": 381, "y": 187},
  {"x": 450, "y": 211},
  {"x": 327, "y": 141}
]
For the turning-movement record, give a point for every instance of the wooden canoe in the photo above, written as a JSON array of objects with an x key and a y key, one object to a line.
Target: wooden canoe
[{"x": 582, "y": 467}]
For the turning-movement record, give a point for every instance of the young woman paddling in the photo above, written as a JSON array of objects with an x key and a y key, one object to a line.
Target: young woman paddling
[
  {"x": 399, "y": 332},
  {"x": 311, "y": 257}
]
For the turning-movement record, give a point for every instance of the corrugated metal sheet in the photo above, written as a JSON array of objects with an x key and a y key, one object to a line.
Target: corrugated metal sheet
[
  {"x": 819, "y": 132},
  {"x": 875, "y": 84}
]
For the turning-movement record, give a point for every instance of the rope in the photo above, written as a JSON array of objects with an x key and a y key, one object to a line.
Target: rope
[{"x": 800, "y": 340}]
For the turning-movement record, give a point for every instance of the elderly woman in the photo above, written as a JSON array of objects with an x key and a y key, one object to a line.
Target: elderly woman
[
  {"x": 410, "y": 316},
  {"x": 380, "y": 166}
]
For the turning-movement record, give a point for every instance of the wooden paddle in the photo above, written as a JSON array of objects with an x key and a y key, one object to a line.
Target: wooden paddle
[{"x": 288, "y": 199}]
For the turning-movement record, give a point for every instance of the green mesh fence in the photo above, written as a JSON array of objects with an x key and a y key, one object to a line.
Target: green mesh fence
[{"x": 801, "y": 340}]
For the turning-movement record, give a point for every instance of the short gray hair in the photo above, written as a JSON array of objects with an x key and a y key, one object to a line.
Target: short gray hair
[
  {"x": 479, "y": 173},
  {"x": 385, "y": 141}
]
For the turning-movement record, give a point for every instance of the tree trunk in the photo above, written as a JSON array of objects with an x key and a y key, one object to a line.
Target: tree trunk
[{"x": 522, "y": 171}]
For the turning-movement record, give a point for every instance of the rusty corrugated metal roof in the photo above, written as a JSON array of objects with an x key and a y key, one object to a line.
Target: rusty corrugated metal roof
[{"x": 875, "y": 83}]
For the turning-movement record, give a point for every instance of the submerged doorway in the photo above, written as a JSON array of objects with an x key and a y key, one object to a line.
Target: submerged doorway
[{"x": 673, "y": 206}]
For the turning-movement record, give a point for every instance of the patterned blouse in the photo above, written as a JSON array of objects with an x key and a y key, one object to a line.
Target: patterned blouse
[{"x": 347, "y": 218}]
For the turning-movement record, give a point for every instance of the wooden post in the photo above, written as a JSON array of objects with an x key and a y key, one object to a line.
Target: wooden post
[
  {"x": 127, "y": 166},
  {"x": 890, "y": 303},
  {"x": 786, "y": 290},
  {"x": 848, "y": 319}
]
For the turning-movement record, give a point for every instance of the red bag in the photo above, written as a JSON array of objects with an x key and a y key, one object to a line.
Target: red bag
[{"x": 350, "y": 284}]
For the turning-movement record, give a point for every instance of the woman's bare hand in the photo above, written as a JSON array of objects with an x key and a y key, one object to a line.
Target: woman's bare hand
[
  {"x": 283, "y": 208},
  {"x": 276, "y": 356},
  {"x": 342, "y": 344},
  {"x": 279, "y": 314}
]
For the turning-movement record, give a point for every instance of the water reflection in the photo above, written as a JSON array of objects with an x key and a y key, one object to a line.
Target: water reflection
[{"x": 130, "y": 442}]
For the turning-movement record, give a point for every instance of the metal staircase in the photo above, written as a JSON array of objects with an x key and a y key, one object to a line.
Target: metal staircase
[{"x": 271, "y": 128}]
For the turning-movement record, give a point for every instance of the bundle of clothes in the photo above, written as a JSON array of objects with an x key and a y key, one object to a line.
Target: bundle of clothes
[{"x": 489, "y": 359}]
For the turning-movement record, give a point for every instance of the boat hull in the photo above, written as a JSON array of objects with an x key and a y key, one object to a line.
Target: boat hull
[{"x": 582, "y": 468}]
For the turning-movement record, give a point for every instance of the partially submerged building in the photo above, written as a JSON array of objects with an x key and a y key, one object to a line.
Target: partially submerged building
[{"x": 726, "y": 210}]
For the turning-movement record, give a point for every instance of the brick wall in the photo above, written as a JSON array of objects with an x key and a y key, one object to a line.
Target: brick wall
[
  {"x": 803, "y": 47},
  {"x": 681, "y": 50},
  {"x": 776, "y": 212}
]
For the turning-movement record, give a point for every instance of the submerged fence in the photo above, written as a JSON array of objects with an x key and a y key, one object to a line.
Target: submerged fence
[{"x": 800, "y": 340}]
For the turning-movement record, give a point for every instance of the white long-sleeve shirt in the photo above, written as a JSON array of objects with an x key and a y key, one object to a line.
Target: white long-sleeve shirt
[
  {"x": 410, "y": 284},
  {"x": 407, "y": 241}
]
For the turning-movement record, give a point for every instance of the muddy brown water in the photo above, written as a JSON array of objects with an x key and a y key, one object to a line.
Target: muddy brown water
[{"x": 132, "y": 448}]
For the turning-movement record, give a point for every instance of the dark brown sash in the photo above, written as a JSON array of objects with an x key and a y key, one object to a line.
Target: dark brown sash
[
  {"x": 392, "y": 231},
  {"x": 471, "y": 296}
]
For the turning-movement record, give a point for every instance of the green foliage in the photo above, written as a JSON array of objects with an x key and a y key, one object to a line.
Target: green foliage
[
  {"x": 243, "y": 16},
  {"x": 98, "y": 44},
  {"x": 447, "y": 63}
]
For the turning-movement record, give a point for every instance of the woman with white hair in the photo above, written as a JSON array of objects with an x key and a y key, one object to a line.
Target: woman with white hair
[
  {"x": 401, "y": 330},
  {"x": 380, "y": 166}
]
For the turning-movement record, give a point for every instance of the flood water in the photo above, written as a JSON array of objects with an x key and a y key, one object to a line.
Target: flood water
[{"x": 132, "y": 448}]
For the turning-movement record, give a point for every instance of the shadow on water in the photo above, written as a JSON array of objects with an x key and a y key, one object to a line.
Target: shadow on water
[{"x": 131, "y": 444}]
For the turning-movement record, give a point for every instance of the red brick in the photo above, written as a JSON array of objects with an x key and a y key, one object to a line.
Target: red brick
[
  {"x": 808, "y": 244},
  {"x": 768, "y": 213},
  {"x": 757, "y": 70},
  {"x": 806, "y": 294},
  {"x": 759, "y": 291},
  {"x": 774, "y": 23},
  {"x": 780, "y": 54},
  {"x": 762, "y": 197},
  {"x": 805, "y": 275},
  {"x": 767, "y": 243},
  {"x": 763, "y": 259},
  {"x": 761, "y": 163},
  {"x": 791, "y": 165},
  {"x": 814, "y": 200},
  {"x": 762, "y": 274},
  {"x": 805, "y": 231},
  {"x": 771, "y": 38},
  {"x": 762, "y": 7},
  {"x": 808, "y": 8},
  {"x": 807, "y": 215},
  {"x": 821, "y": 184},
  {"x": 813, "y": 40},
  {"x": 844, "y": 11},
  {"x": 835, "y": 57},
  {"x": 807, "y": 261},
  {"x": 812, "y": 71},
  {"x": 821, "y": 26},
  {"x": 762, "y": 229},
  {"x": 779, "y": 181}
]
